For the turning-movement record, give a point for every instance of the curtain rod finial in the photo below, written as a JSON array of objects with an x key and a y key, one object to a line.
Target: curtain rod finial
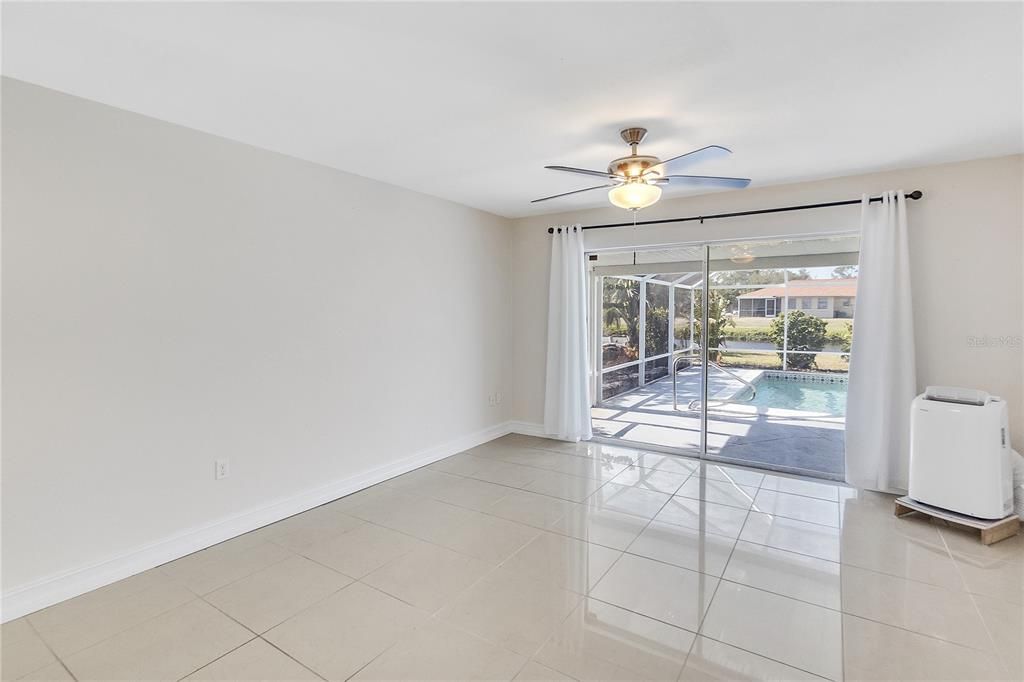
[{"x": 916, "y": 194}]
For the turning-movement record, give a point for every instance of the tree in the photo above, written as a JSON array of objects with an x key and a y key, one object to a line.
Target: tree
[
  {"x": 756, "y": 276},
  {"x": 622, "y": 307},
  {"x": 717, "y": 321},
  {"x": 805, "y": 332},
  {"x": 844, "y": 271},
  {"x": 802, "y": 273}
]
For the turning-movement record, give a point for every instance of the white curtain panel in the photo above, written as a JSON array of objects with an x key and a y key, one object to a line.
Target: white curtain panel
[
  {"x": 567, "y": 391},
  {"x": 883, "y": 379}
]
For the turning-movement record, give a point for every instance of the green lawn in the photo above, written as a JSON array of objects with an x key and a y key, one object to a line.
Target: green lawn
[
  {"x": 743, "y": 325},
  {"x": 750, "y": 360},
  {"x": 755, "y": 323}
]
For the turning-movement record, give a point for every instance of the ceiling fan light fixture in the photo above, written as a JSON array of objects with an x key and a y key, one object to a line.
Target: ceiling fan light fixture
[
  {"x": 740, "y": 255},
  {"x": 634, "y": 195},
  {"x": 636, "y": 180}
]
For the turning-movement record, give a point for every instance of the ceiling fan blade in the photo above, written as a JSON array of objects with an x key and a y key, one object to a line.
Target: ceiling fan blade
[
  {"x": 584, "y": 171},
  {"x": 683, "y": 161},
  {"x": 565, "y": 194},
  {"x": 701, "y": 181}
]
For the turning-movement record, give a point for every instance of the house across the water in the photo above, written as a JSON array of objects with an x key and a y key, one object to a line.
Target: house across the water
[{"x": 830, "y": 298}]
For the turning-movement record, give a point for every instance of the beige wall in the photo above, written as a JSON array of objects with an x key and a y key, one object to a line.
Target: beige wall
[
  {"x": 966, "y": 242},
  {"x": 171, "y": 297}
]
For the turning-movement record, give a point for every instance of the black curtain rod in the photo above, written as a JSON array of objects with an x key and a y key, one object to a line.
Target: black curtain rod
[{"x": 916, "y": 194}]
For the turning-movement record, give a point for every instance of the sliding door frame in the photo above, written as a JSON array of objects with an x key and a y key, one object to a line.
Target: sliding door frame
[{"x": 596, "y": 283}]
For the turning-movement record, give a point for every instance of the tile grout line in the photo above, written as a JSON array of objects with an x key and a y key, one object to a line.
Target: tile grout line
[
  {"x": 305, "y": 608},
  {"x": 46, "y": 644},
  {"x": 977, "y": 608},
  {"x": 700, "y": 632},
  {"x": 686, "y": 659},
  {"x": 840, "y": 611},
  {"x": 203, "y": 596},
  {"x": 370, "y": 662},
  {"x": 503, "y": 564},
  {"x": 626, "y": 551},
  {"x": 271, "y": 644},
  {"x": 703, "y": 617},
  {"x": 193, "y": 598},
  {"x": 454, "y": 597},
  {"x": 229, "y": 651},
  {"x": 754, "y": 653},
  {"x": 436, "y": 544},
  {"x": 228, "y": 616},
  {"x": 582, "y": 596},
  {"x": 474, "y": 635},
  {"x": 919, "y": 634}
]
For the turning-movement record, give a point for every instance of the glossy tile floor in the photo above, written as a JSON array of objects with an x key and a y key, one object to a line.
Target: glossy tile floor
[{"x": 531, "y": 559}]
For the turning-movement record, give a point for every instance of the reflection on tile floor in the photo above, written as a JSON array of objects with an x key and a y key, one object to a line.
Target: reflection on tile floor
[{"x": 533, "y": 559}]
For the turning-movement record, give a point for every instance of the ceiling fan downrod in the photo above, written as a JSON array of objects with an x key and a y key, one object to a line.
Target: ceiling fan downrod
[{"x": 633, "y": 136}]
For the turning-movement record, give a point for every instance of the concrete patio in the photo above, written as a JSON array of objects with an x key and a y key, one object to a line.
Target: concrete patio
[{"x": 788, "y": 440}]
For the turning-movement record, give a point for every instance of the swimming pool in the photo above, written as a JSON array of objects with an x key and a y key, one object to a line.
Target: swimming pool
[{"x": 808, "y": 396}]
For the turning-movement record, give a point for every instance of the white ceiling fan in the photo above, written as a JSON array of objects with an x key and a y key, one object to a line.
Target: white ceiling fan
[{"x": 635, "y": 181}]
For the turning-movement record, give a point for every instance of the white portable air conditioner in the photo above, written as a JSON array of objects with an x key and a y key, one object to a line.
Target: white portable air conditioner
[{"x": 960, "y": 452}]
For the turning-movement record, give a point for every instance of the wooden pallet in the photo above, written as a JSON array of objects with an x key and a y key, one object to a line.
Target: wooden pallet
[{"x": 991, "y": 531}]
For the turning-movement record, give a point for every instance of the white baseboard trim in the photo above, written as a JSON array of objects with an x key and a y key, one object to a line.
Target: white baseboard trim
[
  {"x": 527, "y": 429},
  {"x": 56, "y": 588}
]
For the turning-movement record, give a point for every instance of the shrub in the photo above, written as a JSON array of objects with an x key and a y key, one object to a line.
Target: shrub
[
  {"x": 747, "y": 334},
  {"x": 847, "y": 339},
  {"x": 615, "y": 329},
  {"x": 655, "y": 338},
  {"x": 806, "y": 332},
  {"x": 841, "y": 336},
  {"x": 682, "y": 329},
  {"x": 847, "y": 342}
]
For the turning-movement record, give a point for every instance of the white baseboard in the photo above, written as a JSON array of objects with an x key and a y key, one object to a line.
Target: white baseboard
[
  {"x": 60, "y": 586},
  {"x": 527, "y": 429}
]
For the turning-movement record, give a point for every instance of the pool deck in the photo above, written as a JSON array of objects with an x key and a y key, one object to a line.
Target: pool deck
[{"x": 794, "y": 441}]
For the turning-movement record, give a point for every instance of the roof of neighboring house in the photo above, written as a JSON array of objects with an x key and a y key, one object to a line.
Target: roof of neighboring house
[{"x": 846, "y": 288}]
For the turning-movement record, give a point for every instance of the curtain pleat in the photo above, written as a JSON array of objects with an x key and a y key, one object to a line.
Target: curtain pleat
[
  {"x": 567, "y": 389},
  {"x": 883, "y": 379}
]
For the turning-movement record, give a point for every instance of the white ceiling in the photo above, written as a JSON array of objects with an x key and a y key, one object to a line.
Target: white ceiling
[{"x": 469, "y": 101}]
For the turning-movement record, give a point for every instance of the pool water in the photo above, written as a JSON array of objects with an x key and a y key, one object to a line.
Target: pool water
[{"x": 799, "y": 395}]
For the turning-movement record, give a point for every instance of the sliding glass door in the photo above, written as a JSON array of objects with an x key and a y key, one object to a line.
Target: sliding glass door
[
  {"x": 646, "y": 329},
  {"x": 731, "y": 351}
]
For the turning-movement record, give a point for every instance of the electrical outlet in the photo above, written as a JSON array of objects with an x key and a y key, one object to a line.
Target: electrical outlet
[
  {"x": 221, "y": 469},
  {"x": 497, "y": 398}
]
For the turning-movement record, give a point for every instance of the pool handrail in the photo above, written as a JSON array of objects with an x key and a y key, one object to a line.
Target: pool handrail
[{"x": 690, "y": 405}]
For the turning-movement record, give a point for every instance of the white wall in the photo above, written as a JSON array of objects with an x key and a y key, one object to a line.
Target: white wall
[
  {"x": 966, "y": 250},
  {"x": 171, "y": 297}
]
